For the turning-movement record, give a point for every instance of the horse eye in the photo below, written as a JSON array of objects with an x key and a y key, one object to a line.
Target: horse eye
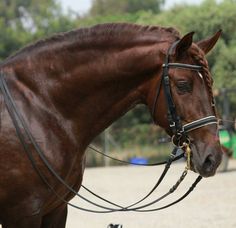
[{"x": 184, "y": 86}]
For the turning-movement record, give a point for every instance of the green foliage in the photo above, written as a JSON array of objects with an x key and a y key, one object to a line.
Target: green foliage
[
  {"x": 23, "y": 21},
  {"x": 139, "y": 122},
  {"x": 111, "y": 7}
]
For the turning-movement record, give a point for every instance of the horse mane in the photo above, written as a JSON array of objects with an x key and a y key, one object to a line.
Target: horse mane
[
  {"x": 113, "y": 32},
  {"x": 198, "y": 56}
]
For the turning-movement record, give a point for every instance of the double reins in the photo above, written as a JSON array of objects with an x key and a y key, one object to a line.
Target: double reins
[
  {"x": 179, "y": 131},
  {"x": 20, "y": 126}
]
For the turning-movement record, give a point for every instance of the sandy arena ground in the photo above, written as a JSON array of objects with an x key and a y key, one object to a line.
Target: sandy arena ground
[{"x": 211, "y": 204}]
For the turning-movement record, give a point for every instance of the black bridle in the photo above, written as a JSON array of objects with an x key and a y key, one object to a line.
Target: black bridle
[{"x": 178, "y": 130}]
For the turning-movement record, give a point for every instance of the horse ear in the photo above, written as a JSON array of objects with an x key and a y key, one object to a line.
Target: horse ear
[
  {"x": 207, "y": 44},
  {"x": 184, "y": 44}
]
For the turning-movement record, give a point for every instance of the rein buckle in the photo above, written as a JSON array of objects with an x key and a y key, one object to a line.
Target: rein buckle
[{"x": 188, "y": 155}]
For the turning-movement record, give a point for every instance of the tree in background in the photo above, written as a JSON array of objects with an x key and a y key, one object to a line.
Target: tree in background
[
  {"x": 22, "y": 21},
  {"x": 109, "y": 7}
]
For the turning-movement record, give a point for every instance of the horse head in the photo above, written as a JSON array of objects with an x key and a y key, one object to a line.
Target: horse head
[{"x": 183, "y": 102}]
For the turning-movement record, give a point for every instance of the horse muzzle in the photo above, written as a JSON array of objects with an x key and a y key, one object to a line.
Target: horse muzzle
[{"x": 205, "y": 159}]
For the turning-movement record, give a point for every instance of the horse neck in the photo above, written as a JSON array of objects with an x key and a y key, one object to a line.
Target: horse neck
[
  {"x": 94, "y": 94},
  {"x": 92, "y": 88}
]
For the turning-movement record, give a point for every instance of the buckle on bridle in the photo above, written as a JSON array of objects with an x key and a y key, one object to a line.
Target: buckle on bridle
[
  {"x": 184, "y": 144},
  {"x": 187, "y": 148},
  {"x": 179, "y": 138}
]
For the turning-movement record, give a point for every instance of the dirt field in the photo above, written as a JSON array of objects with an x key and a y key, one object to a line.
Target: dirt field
[{"x": 211, "y": 204}]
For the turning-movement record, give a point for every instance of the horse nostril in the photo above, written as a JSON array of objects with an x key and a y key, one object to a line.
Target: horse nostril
[{"x": 208, "y": 163}]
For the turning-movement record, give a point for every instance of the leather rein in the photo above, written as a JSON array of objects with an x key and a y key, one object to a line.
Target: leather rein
[{"x": 179, "y": 131}]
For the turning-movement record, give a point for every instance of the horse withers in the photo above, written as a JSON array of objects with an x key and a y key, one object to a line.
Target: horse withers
[{"x": 61, "y": 92}]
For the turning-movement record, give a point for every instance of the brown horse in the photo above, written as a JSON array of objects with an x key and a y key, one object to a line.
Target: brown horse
[{"x": 70, "y": 87}]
